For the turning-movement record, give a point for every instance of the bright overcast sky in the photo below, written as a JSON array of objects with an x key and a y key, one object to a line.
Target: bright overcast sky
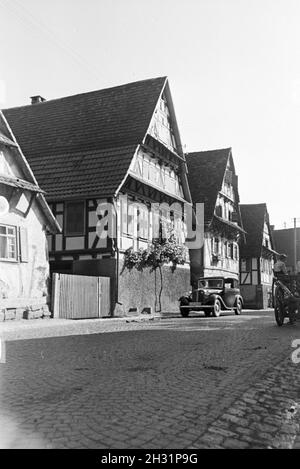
[{"x": 233, "y": 66}]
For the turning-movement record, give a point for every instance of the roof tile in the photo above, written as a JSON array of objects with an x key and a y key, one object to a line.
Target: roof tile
[{"x": 84, "y": 143}]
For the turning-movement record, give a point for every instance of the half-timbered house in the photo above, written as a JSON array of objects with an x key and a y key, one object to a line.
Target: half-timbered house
[
  {"x": 25, "y": 220},
  {"x": 214, "y": 183},
  {"x": 257, "y": 256},
  {"x": 109, "y": 153}
]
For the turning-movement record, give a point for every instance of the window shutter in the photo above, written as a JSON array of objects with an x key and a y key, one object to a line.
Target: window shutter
[{"x": 23, "y": 244}]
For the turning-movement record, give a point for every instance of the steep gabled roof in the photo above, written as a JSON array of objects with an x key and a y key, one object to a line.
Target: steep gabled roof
[
  {"x": 206, "y": 171},
  {"x": 64, "y": 138},
  {"x": 254, "y": 217},
  {"x": 28, "y": 182}
]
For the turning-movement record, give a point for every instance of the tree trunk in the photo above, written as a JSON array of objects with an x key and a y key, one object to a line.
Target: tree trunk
[
  {"x": 161, "y": 288},
  {"x": 155, "y": 291}
]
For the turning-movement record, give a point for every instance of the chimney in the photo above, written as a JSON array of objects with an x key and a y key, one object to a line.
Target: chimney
[{"x": 37, "y": 99}]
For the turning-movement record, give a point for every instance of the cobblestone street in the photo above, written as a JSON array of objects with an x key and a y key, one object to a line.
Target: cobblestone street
[{"x": 198, "y": 382}]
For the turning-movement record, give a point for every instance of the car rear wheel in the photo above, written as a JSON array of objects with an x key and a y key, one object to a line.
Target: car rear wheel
[
  {"x": 184, "y": 312},
  {"x": 216, "y": 309},
  {"x": 238, "y": 307}
]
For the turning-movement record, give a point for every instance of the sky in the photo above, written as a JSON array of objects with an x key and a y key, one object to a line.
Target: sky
[{"x": 233, "y": 68}]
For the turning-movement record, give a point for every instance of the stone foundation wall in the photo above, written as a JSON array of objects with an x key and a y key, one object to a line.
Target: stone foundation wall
[
  {"x": 31, "y": 311},
  {"x": 137, "y": 290}
]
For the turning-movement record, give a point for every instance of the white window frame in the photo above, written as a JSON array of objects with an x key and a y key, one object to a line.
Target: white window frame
[{"x": 8, "y": 236}]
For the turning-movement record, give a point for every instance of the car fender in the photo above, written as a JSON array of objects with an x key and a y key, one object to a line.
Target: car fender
[
  {"x": 213, "y": 297},
  {"x": 223, "y": 304},
  {"x": 184, "y": 299}
]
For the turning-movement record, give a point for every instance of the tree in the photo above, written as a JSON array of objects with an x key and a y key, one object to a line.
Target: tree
[{"x": 159, "y": 253}]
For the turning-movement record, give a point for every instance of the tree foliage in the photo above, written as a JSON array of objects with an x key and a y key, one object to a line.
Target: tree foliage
[{"x": 159, "y": 253}]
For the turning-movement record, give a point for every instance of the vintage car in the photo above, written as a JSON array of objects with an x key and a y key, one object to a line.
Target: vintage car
[{"x": 212, "y": 295}]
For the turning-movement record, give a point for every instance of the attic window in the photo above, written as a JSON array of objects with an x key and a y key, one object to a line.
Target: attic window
[{"x": 228, "y": 177}]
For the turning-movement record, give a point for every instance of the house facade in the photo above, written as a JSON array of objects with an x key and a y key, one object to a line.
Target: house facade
[
  {"x": 25, "y": 221},
  {"x": 214, "y": 183},
  {"x": 257, "y": 257},
  {"x": 112, "y": 164}
]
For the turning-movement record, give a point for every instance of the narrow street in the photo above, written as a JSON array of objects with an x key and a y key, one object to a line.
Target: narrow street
[{"x": 198, "y": 382}]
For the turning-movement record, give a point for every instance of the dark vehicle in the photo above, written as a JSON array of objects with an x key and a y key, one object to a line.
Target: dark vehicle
[
  {"x": 286, "y": 298},
  {"x": 213, "y": 295}
]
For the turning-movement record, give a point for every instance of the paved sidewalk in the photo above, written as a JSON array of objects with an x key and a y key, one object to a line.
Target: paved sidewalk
[
  {"x": 38, "y": 328},
  {"x": 192, "y": 314}
]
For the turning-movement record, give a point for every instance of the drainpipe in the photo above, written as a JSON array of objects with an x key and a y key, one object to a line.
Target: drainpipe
[
  {"x": 117, "y": 250},
  {"x": 295, "y": 245}
]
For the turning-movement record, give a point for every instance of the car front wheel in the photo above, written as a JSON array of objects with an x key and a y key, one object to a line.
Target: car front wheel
[
  {"x": 216, "y": 309},
  {"x": 238, "y": 307}
]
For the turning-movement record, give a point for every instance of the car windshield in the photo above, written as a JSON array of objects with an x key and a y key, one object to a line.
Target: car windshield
[{"x": 211, "y": 283}]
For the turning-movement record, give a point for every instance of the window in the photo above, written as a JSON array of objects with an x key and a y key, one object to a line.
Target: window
[
  {"x": 246, "y": 265},
  {"x": 75, "y": 218},
  {"x": 8, "y": 242},
  {"x": 143, "y": 222},
  {"x": 236, "y": 252},
  {"x": 130, "y": 218},
  {"x": 156, "y": 232},
  {"x": 225, "y": 249},
  {"x": 229, "y": 249},
  {"x": 216, "y": 246},
  {"x": 146, "y": 164},
  {"x": 219, "y": 210},
  {"x": 165, "y": 222},
  {"x": 127, "y": 214},
  {"x": 211, "y": 283}
]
